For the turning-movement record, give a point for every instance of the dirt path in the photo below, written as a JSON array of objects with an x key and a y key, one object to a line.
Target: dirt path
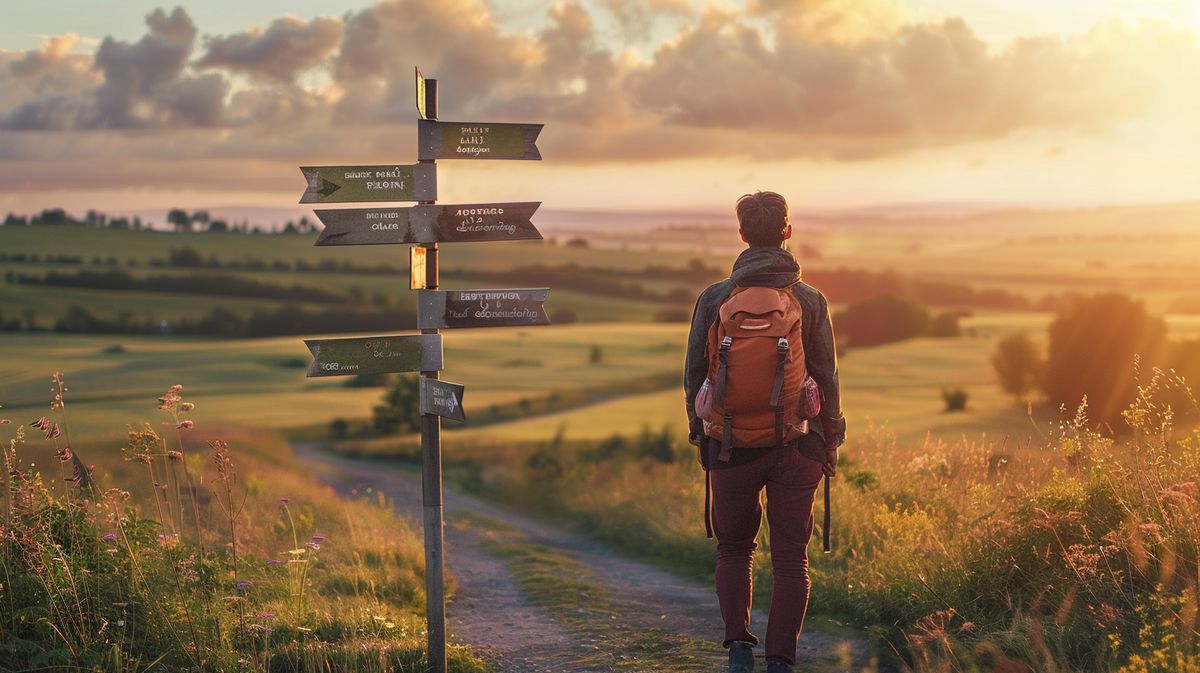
[{"x": 645, "y": 609}]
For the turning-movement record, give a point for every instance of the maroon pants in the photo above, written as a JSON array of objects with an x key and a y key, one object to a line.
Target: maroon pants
[{"x": 791, "y": 481}]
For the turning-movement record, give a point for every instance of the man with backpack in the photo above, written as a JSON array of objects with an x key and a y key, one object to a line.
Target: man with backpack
[{"x": 764, "y": 408}]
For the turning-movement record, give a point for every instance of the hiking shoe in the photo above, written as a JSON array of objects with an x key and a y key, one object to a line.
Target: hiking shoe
[
  {"x": 778, "y": 666},
  {"x": 741, "y": 657}
]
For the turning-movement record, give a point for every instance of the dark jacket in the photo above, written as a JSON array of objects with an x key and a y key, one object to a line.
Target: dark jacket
[{"x": 773, "y": 267}]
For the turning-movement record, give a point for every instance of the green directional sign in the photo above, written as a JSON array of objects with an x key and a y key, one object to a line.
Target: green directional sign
[
  {"x": 428, "y": 224},
  {"x": 342, "y": 184},
  {"x": 375, "y": 355},
  {"x": 442, "y": 398},
  {"x": 476, "y": 140},
  {"x": 437, "y": 309}
]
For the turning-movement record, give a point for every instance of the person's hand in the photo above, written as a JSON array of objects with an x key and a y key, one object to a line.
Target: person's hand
[{"x": 829, "y": 467}]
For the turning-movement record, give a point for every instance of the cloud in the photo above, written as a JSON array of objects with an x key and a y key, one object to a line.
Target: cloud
[
  {"x": 636, "y": 17},
  {"x": 287, "y": 47},
  {"x": 144, "y": 84},
  {"x": 775, "y": 79}
]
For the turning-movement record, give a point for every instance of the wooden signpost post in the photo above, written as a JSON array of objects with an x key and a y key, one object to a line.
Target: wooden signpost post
[
  {"x": 474, "y": 222},
  {"x": 425, "y": 226}
]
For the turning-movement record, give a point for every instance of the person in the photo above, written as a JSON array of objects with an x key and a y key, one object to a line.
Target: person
[{"x": 790, "y": 472}]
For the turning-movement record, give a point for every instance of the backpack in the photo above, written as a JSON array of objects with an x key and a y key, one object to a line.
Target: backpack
[{"x": 757, "y": 392}]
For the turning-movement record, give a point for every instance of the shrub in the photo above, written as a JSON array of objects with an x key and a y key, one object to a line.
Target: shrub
[
  {"x": 881, "y": 319},
  {"x": 400, "y": 409},
  {"x": 1092, "y": 347},
  {"x": 955, "y": 399},
  {"x": 1018, "y": 365}
]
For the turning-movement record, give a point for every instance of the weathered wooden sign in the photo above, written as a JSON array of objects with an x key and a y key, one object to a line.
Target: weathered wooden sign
[
  {"x": 375, "y": 355},
  {"x": 418, "y": 269},
  {"x": 421, "y": 96},
  {"x": 437, "y": 309},
  {"x": 428, "y": 224},
  {"x": 341, "y": 184},
  {"x": 476, "y": 140},
  {"x": 442, "y": 398}
]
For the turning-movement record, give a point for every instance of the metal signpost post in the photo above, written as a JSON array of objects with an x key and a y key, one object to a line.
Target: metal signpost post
[{"x": 424, "y": 226}]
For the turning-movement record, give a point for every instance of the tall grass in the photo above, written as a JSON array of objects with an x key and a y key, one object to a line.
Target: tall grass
[
  {"x": 1077, "y": 552},
  {"x": 202, "y": 559}
]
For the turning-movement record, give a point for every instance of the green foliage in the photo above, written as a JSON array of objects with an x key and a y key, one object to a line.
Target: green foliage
[
  {"x": 243, "y": 581},
  {"x": 1018, "y": 365},
  {"x": 881, "y": 319},
  {"x": 1093, "y": 344},
  {"x": 400, "y": 409},
  {"x": 955, "y": 399},
  {"x": 945, "y": 325}
]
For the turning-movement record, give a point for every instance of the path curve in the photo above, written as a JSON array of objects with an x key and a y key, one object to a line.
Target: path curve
[{"x": 490, "y": 613}]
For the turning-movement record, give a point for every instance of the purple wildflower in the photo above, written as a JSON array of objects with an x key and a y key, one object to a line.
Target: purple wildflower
[
  {"x": 242, "y": 585},
  {"x": 318, "y": 538},
  {"x": 267, "y": 615},
  {"x": 109, "y": 537},
  {"x": 274, "y": 562},
  {"x": 313, "y": 546},
  {"x": 284, "y": 501}
]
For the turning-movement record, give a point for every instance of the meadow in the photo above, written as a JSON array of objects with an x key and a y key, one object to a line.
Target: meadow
[{"x": 931, "y": 504}]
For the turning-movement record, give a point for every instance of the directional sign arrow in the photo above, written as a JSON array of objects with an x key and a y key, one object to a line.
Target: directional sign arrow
[
  {"x": 341, "y": 184},
  {"x": 476, "y": 140},
  {"x": 442, "y": 398},
  {"x": 428, "y": 224},
  {"x": 437, "y": 309},
  {"x": 375, "y": 355}
]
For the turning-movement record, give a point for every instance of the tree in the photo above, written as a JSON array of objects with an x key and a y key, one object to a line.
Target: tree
[
  {"x": 1018, "y": 365},
  {"x": 178, "y": 218},
  {"x": 1093, "y": 345},
  {"x": 400, "y": 410},
  {"x": 881, "y": 319}
]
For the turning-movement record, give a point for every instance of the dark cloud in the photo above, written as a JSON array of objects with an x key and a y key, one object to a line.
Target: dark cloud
[{"x": 287, "y": 47}]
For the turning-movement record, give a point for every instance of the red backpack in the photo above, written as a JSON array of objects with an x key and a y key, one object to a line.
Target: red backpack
[{"x": 757, "y": 392}]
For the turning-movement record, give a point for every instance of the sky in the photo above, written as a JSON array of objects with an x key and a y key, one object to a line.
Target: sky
[{"x": 648, "y": 104}]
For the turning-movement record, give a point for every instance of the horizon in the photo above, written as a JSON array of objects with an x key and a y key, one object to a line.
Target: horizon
[{"x": 684, "y": 105}]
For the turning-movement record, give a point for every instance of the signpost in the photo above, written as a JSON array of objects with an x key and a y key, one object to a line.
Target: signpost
[
  {"x": 443, "y": 399},
  {"x": 475, "y": 222},
  {"x": 476, "y": 140},
  {"x": 374, "y": 355},
  {"x": 482, "y": 308},
  {"x": 341, "y": 184},
  {"x": 426, "y": 225}
]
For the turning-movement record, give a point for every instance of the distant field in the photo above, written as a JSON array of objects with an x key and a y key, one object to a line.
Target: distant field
[{"x": 261, "y": 382}]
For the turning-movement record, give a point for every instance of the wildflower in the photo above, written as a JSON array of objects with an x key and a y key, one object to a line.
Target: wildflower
[
  {"x": 176, "y": 456},
  {"x": 170, "y": 398},
  {"x": 65, "y": 454},
  {"x": 242, "y": 585},
  {"x": 260, "y": 627},
  {"x": 274, "y": 562},
  {"x": 268, "y": 616},
  {"x": 4, "y": 421},
  {"x": 284, "y": 501},
  {"x": 317, "y": 537},
  {"x": 221, "y": 459},
  {"x": 313, "y": 546},
  {"x": 185, "y": 425},
  {"x": 42, "y": 423},
  {"x": 187, "y": 406},
  {"x": 80, "y": 476},
  {"x": 109, "y": 537},
  {"x": 53, "y": 432}
]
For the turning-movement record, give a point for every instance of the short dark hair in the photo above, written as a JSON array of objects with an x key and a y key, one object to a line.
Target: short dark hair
[{"x": 762, "y": 217}]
